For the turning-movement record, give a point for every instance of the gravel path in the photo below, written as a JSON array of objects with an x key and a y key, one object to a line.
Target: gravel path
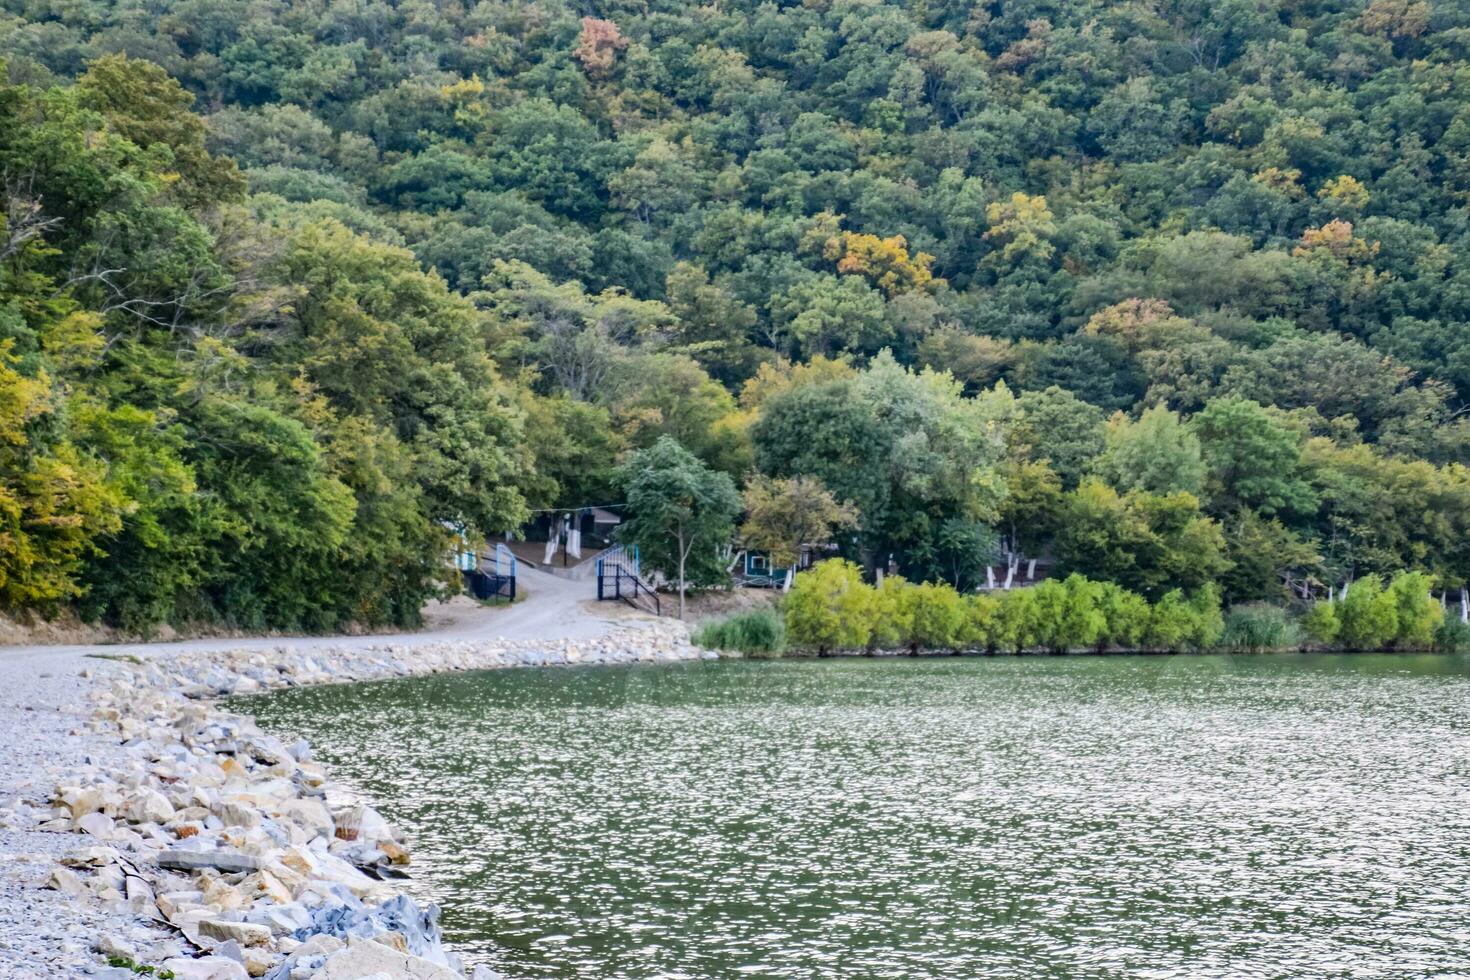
[{"x": 43, "y": 712}]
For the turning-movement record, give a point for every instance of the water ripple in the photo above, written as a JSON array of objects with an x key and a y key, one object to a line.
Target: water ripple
[{"x": 1050, "y": 817}]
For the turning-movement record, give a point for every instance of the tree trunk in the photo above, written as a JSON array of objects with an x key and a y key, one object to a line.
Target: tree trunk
[
  {"x": 682, "y": 555},
  {"x": 1031, "y": 570}
]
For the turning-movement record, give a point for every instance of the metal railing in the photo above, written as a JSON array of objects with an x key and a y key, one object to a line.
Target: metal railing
[
  {"x": 616, "y": 583},
  {"x": 618, "y": 579},
  {"x": 495, "y": 579},
  {"x": 621, "y": 556}
]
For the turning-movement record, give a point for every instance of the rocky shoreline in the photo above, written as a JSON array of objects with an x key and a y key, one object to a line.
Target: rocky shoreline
[{"x": 190, "y": 843}]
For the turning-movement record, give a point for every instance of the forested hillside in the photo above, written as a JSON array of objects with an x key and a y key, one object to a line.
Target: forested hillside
[{"x": 1176, "y": 293}]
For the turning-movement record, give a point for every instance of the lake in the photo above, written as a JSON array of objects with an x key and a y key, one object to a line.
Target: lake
[{"x": 1124, "y": 816}]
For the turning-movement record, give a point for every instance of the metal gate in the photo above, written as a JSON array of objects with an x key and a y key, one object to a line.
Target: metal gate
[{"x": 497, "y": 579}]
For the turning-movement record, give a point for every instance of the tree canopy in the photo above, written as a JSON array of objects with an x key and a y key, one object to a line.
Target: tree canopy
[{"x": 291, "y": 299}]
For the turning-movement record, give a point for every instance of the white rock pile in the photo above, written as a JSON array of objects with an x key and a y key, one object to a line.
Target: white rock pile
[{"x": 237, "y": 848}]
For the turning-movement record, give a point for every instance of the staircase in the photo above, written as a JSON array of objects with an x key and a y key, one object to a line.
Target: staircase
[{"x": 618, "y": 580}]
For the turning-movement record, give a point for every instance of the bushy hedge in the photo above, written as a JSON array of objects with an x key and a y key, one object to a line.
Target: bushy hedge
[
  {"x": 757, "y": 633},
  {"x": 1373, "y": 616},
  {"x": 831, "y": 608}
]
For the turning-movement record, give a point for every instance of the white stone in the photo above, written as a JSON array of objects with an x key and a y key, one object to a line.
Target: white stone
[
  {"x": 99, "y": 825},
  {"x": 90, "y": 857},
  {"x": 363, "y": 958},
  {"x": 151, "y": 807},
  {"x": 244, "y": 933},
  {"x": 205, "y": 968},
  {"x": 110, "y": 945},
  {"x": 66, "y": 882}
]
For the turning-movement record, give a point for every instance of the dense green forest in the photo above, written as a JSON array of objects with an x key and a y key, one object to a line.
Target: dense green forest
[{"x": 1175, "y": 293}]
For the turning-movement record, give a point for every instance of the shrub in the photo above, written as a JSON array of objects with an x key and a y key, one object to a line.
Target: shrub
[
  {"x": 1368, "y": 614},
  {"x": 982, "y": 620},
  {"x": 831, "y": 608},
  {"x": 1081, "y": 622},
  {"x": 1452, "y": 636},
  {"x": 892, "y": 615},
  {"x": 1017, "y": 625},
  {"x": 756, "y": 633},
  {"x": 1125, "y": 616},
  {"x": 1321, "y": 623},
  {"x": 1259, "y": 628},
  {"x": 1209, "y": 621},
  {"x": 1180, "y": 622},
  {"x": 1067, "y": 613},
  {"x": 1168, "y": 622},
  {"x": 935, "y": 614},
  {"x": 1418, "y": 614}
]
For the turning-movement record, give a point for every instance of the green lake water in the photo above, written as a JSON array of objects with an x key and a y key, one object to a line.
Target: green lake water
[{"x": 1291, "y": 816}]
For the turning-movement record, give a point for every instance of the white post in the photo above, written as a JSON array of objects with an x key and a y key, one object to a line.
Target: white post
[
  {"x": 989, "y": 577},
  {"x": 1011, "y": 571},
  {"x": 1464, "y": 605},
  {"x": 1031, "y": 570}
]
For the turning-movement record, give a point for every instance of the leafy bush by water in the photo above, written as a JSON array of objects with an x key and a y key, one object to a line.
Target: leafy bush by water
[
  {"x": 831, "y": 608},
  {"x": 1452, "y": 636},
  {"x": 1375, "y": 616},
  {"x": 1258, "y": 628},
  {"x": 757, "y": 633}
]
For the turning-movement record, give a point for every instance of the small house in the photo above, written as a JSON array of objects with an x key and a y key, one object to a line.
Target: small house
[
  {"x": 758, "y": 570},
  {"x": 755, "y": 568}
]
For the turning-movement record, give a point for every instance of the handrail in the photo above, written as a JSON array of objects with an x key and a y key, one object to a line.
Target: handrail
[
  {"x": 636, "y": 594},
  {"x": 639, "y": 586}
]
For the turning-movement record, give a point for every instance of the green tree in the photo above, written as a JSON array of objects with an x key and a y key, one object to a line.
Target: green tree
[
  {"x": 682, "y": 512},
  {"x": 1033, "y": 505},
  {"x": 1182, "y": 621},
  {"x": 149, "y": 109},
  {"x": 934, "y": 614},
  {"x": 1018, "y": 623},
  {"x": 904, "y": 447},
  {"x": 286, "y": 519},
  {"x": 830, "y": 608},
  {"x": 715, "y": 327},
  {"x": 1368, "y": 615},
  {"x": 1146, "y": 542},
  {"x": 158, "y": 554},
  {"x": 1253, "y": 460},
  {"x": 1321, "y": 622},
  {"x": 1069, "y": 613},
  {"x": 1157, "y": 453},
  {"x": 54, "y": 500},
  {"x": 1267, "y": 559},
  {"x": 1061, "y": 429},
  {"x": 1419, "y": 616},
  {"x": 982, "y": 621},
  {"x": 381, "y": 339},
  {"x": 1125, "y": 614},
  {"x": 781, "y": 515}
]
